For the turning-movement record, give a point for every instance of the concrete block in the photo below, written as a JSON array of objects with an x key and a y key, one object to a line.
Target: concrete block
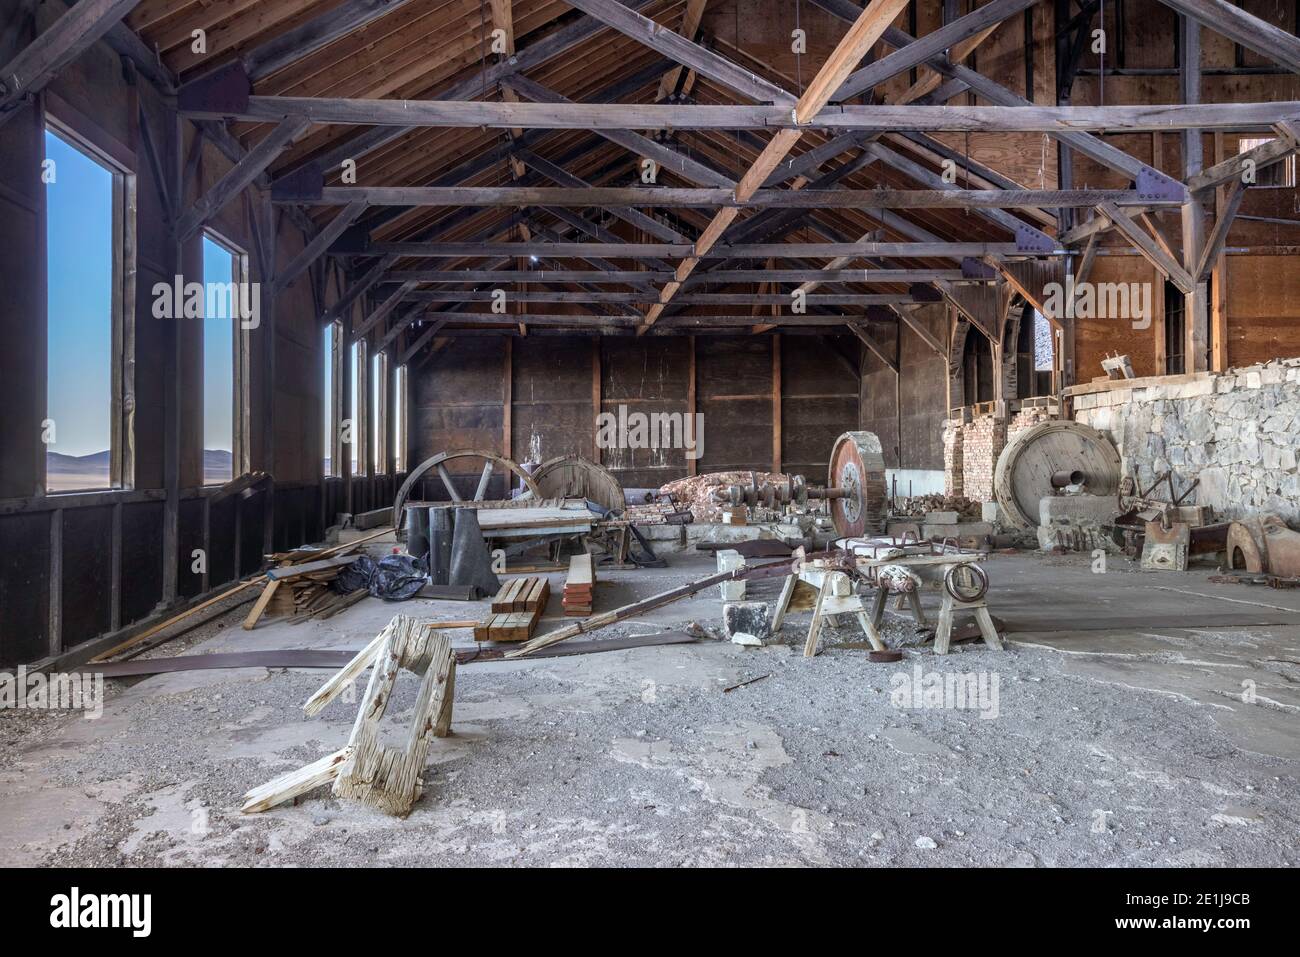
[
  {"x": 1075, "y": 509},
  {"x": 941, "y": 518},
  {"x": 750, "y": 618},
  {"x": 729, "y": 560},
  {"x": 989, "y": 512},
  {"x": 957, "y": 530}
]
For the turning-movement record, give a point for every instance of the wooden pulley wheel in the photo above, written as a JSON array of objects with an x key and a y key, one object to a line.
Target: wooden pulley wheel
[
  {"x": 1025, "y": 468},
  {"x": 572, "y": 476},
  {"x": 455, "y": 490},
  {"x": 857, "y": 469}
]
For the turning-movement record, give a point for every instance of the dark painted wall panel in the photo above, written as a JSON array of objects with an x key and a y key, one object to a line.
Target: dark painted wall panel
[
  {"x": 24, "y": 587},
  {"x": 142, "y": 559},
  {"x": 87, "y": 573}
]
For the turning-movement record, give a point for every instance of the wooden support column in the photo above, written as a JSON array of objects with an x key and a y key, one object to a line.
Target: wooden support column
[
  {"x": 595, "y": 399},
  {"x": 1219, "y": 280},
  {"x": 692, "y": 464},
  {"x": 1196, "y": 302},
  {"x": 776, "y": 402},
  {"x": 507, "y": 397}
]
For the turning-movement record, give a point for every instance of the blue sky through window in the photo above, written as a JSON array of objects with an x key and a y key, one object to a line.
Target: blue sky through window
[
  {"x": 218, "y": 362},
  {"x": 79, "y": 244}
]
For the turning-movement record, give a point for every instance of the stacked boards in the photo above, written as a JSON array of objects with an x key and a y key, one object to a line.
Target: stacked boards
[
  {"x": 580, "y": 585},
  {"x": 516, "y": 610}
]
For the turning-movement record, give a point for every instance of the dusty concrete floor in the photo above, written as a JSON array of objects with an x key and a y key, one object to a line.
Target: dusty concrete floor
[{"x": 1120, "y": 738}]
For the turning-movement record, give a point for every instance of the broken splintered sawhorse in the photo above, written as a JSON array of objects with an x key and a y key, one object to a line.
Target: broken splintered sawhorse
[{"x": 388, "y": 779}]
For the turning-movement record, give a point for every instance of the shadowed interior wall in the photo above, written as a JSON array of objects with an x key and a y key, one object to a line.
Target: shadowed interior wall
[{"x": 557, "y": 384}]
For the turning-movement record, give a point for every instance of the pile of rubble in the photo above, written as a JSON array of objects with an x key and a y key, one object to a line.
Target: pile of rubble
[
  {"x": 919, "y": 506},
  {"x": 705, "y": 495}
]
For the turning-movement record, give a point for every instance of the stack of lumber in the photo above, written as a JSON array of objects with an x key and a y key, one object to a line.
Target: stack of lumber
[
  {"x": 580, "y": 585},
  {"x": 303, "y": 591},
  {"x": 516, "y": 610}
]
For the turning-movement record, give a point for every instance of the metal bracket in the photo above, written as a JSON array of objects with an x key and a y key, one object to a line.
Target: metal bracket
[
  {"x": 300, "y": 186},
  {"x": 224, "y": 91},
  {"x": 355, "y": 240},
  {"x": 1030, "y": 240},
  {"x": 1153, "y": 185},
  {"x": 975, "y": 269}
]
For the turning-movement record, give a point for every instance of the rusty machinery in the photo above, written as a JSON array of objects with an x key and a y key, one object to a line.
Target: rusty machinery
[{"x": 854, "y": 490}]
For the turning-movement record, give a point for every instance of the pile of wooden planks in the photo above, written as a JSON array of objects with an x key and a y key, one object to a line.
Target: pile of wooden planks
[
  {"x": 303, "y": 591},
  {"x": 580, "y": 585},
  {"x": 516, "y": 610}
]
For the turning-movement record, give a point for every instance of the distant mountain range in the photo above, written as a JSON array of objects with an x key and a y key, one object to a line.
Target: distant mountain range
[{"x": 67, "y": 472}]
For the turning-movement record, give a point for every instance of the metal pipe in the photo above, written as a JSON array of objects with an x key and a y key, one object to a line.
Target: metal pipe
[{"x": 1067, "y": 477}]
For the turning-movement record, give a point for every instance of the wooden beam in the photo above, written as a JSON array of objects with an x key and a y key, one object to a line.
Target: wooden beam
[
  {"x": 241, "y": 175},
  {"x": 383, "y": 311},
  {"x": 554, "y": 45},
  {"x": 1218, "y": 237},
  {"x": 684, "y": 51},
  {"x": 1242, "y": 28},
  {"x": 932, "y": 44},
  {"x": 874, "y": 349},
  {"x": 923, "y": 333},
  {"x": 317, "y": 246},
  {"x": 1144, "y": 244},
  {"x": 633, "y": 217},
  {"x": 65, "y": 40},
  {"x": 469, "y": 250},
  {"x": 420, "y": 343},
  {"x": 1266, "y": 154},
  {"x": 633, "y": 142},
  {"x": 358, "y": 289},
  {"x": 315, "y": 34},
  {"x": 686, "y": 299},
  {"x": 691, "y": 18},
  {"x": 885, "y": 119},
  {"x": 611, "y": 197},
  {"x": 992, "y": 92}
]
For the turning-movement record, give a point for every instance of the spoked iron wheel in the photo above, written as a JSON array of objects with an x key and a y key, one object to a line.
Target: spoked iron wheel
[{"x": 492, "y": 463}]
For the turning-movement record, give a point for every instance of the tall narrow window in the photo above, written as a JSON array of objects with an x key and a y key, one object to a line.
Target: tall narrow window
[
  {"x": 221, "y": 275},
  {"x": 1175, "y": 326},
  {"x": 399, "y": 419},
  {"x": 379, "y": 414},
  {"x": 81, "y": 229},
  {"x": 357, "y": 423},
  {"x": 327, "y": 402}
]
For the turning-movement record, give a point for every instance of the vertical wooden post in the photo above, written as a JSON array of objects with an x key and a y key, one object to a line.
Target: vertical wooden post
[
  {"x": 1195, "y": 318},
  {"x": 595, "y": 399},
  {"x": 692, "y": 464},
  {"x": 776, "y": 402},
  {"x": 507, "y": 398},
  {"x": 172, "y": 390},
  {"x": 1219, "y": 282}
]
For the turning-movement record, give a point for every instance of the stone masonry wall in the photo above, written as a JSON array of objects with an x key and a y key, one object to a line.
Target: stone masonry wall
[{"x": 1238, "y": 432}]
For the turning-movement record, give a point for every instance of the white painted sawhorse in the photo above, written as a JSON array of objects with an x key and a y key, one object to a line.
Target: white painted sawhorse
[{"x": 980, "y": 608}]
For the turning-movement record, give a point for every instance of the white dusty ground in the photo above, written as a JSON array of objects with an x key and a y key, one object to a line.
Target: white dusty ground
[{"x": 1120, "y": 738}]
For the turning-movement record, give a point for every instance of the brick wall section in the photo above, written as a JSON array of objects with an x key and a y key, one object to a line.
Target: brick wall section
[
  {"x": 953, "y": 484},
  {"x": 983, "y": 439}
]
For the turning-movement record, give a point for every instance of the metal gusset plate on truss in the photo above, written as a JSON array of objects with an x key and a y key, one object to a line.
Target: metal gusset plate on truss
[{"x": 858, "y": 468}]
